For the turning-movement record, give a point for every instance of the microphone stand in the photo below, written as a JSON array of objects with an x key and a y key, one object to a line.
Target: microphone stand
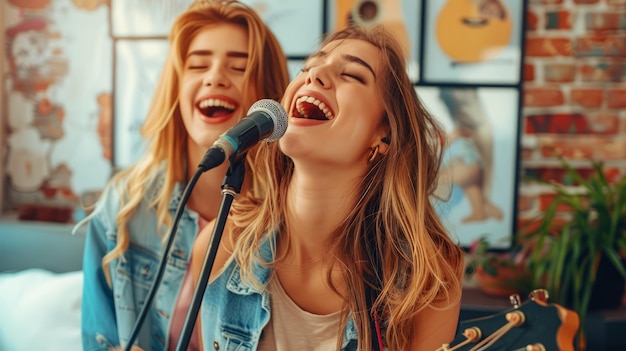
[
  {"x": 208, "y": 162},
  {"x": 231, "y": 186},
  {"x": 143, "y": 313}
]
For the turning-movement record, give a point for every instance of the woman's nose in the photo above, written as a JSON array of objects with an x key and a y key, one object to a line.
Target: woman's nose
[
  {"x": 215, "y": 76},
  {"x": 318, "y": 76}
]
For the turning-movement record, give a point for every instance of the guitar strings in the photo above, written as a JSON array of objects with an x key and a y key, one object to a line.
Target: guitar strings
[
  {"x": 491, "y": 339},
  {"x": 471, "y": 335},
  {"x": 514, "y": 319}
]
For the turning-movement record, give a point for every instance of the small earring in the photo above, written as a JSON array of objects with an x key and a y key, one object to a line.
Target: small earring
[{"x": 373, "y": 155}]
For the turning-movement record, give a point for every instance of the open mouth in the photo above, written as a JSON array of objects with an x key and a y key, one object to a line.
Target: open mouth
[
  {"x": 312, "y": 108},
  {"x": 216, "y": 107}
]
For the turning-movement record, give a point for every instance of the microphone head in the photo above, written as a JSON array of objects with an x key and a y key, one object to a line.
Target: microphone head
[{"x": 275, "y": 111}]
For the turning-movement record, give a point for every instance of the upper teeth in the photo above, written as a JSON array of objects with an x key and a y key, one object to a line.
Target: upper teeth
[
  {"x": 315, "y": 102},
  {"x": 216, "y": 103}
]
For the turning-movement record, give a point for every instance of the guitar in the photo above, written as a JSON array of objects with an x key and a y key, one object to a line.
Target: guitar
[
  {"x": 533, "y": 326},
  {"x": 470, "y": 31},
  {"x": 372, "y": 12}
]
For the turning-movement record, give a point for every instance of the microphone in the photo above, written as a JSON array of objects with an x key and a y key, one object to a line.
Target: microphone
[{"x": 266, "y": 120}]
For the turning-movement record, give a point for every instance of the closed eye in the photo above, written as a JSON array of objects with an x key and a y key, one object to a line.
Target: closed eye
[
  {"x": 350, "y": 75},
  {"x": 354, "y": 76}
]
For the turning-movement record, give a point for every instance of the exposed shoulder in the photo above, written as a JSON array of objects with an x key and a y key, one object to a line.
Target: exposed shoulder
[
  {"x": 436, "y": 324},
  {"x": 434, "y": 327}
]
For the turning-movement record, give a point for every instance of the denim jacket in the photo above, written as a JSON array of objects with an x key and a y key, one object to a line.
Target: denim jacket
[{"x": 233, "y": 313}]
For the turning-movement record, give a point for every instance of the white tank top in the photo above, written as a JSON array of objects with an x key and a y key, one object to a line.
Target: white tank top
[{"x": 292, "y": 328}]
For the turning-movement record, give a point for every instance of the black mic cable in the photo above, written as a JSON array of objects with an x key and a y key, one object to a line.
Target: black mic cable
[{"x": 162, "y": 264}]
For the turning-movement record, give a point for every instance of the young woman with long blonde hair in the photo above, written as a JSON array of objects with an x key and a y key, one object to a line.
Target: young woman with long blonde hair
[
  {"x": 345, "y": 250},
  {"x": 222, "y": 59}
]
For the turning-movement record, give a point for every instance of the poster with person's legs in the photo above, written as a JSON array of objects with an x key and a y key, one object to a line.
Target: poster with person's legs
[{"x": 478, "y": 182}]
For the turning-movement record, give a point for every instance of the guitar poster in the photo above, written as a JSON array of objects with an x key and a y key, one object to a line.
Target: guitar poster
[
  {"x": 401, "y": 17},
  {"x": 154, "y": 18},
  {"x": 473, "y": 41},
  {"x": 478, "y": 182}
]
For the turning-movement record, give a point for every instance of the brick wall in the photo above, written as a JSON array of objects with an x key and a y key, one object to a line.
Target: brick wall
[{"x": 574, "y": 102}]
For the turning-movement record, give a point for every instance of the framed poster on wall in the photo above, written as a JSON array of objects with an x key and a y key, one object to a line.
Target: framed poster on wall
[
  {"x": 283, "y": 16},
  {"x": 144, "y": 18},
  {"x": 473, "y": 41},
  {"x": 401, "y": 17},
  {"x": 138, "y": 65},
  {"x": 478, "y": 183}
]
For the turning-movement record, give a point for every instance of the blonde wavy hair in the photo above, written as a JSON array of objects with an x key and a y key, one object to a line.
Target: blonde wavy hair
[
  {"x": 393, "y": 241},
  {"x": 163, "y": 128}
]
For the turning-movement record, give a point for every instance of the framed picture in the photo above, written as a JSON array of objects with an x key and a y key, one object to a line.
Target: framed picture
[
  {"x": 138, "y": 64},
  {"x": 283, "y": 16},
  {"x": 144, "y": 18},
  {"x": 472, "y": 41},
  {"x": 402, "y": 17},
  {"x": 478, "y": 185}
]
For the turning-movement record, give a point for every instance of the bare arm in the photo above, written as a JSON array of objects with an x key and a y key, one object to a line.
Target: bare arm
[{"x": 433, "y": 328}]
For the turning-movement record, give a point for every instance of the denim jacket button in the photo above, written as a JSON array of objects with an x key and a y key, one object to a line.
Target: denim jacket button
[{"x": 216, "y": 345}]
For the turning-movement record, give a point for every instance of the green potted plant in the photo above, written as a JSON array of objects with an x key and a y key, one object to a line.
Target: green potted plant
[
  {"x": 579, "y": 244},
  {"x": 497, "y": 273}
]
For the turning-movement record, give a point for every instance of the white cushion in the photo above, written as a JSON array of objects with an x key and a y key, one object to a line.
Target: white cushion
[{"x": 40, "y": 310}]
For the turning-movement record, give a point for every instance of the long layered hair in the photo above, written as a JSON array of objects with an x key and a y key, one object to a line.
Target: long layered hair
[
  {"x": 266, "y": 73},
  {"x": 393, "y": 242}
]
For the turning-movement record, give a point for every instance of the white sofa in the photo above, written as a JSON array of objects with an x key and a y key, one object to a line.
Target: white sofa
[{"x": 40, "y": 286}]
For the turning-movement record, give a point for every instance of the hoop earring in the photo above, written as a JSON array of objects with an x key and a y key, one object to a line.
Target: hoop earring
[{"x": 373, "y": 155}]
